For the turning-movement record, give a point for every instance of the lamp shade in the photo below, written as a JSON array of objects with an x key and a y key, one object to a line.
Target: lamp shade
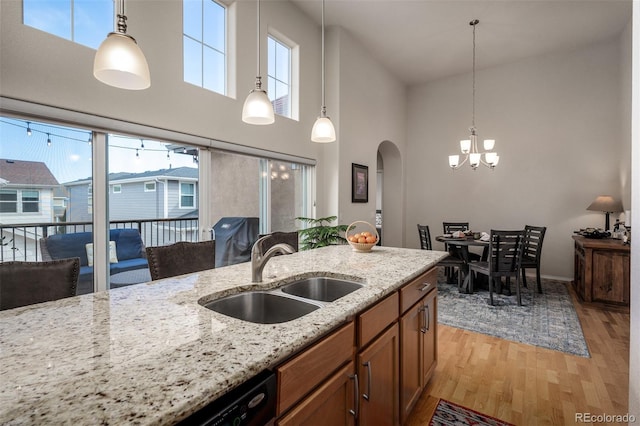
[
  {"x": 257, "y": 108},
  {"x": 323, "y": 130},
  {"x": 119, "y": 62},
  {"x": 606, "y": 203}
]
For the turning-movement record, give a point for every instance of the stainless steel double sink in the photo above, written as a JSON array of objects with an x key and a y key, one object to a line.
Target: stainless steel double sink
[{"x": 285, "y": 303}]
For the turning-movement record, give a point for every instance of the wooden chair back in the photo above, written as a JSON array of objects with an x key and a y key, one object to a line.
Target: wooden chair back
[
  {"x": 425, "y": 237},
  {"x": 532, "y": 243},
  {"x": 450, "y": 227},
  {"x": 505, "y": 252}
]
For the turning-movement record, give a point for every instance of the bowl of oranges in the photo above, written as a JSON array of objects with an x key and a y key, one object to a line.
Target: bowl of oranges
[{"x": 361, "y": 239}]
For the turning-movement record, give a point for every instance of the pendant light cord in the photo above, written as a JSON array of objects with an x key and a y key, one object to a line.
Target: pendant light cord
[
  {"x": 473, "y": 103},
  {"x": 258, "y": 70},
  {"x": 323, "y": 95}
]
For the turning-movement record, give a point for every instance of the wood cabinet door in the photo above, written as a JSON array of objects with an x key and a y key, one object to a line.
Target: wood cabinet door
[
  {"x": 429, "y": 337},
  {"x": 610, "y": 275},
  {"x": 333, "y": 403},
  {"x": 578, "y": 273},
  {"x": 410, "y": 363},
  {"x": 378, "y": 371}
]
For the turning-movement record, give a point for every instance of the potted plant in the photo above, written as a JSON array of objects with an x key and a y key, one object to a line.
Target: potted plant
[{"x": 319, "y": 232}]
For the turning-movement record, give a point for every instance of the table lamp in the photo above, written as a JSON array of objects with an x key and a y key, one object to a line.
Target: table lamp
[{"x": 606, "y": 204}]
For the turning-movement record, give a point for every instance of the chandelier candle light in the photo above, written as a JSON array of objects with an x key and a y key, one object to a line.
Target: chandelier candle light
[{"x": 469, "y": 147}]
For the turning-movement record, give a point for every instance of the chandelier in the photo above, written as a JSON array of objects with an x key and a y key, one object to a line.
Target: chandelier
[{"x": 469, "y": 147}]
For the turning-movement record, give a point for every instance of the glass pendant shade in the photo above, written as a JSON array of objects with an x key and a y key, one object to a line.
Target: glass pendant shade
[
  {"x": 323, "y": 130},
  {"x": 474, "y": 159},
  {"x": 491, "y": 158},
  {"x": 119, "y": 62},
  {"x": 489, "y": 144},
  {"x": 465, "y": 146},
  {"x": 454, "y": 160},
  {"x": 257, "y": 108}
]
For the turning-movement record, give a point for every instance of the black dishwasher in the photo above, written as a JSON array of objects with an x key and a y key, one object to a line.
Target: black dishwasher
[{"x": 252, "y": 403}]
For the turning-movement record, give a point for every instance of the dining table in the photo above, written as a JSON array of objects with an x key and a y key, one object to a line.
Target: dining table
[{"x": 459, "y": 246}]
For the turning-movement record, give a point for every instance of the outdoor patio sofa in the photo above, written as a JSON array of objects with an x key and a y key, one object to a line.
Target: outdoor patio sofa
[{"x": 129, "y": 248}]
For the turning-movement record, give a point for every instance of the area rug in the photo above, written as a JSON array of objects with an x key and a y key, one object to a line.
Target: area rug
[
  {"x": 547, "y": 320},
  {"x": 447, "y": 413}
]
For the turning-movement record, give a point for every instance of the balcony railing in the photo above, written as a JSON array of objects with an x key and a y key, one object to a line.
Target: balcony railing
[{"x": 21, "y": 241}]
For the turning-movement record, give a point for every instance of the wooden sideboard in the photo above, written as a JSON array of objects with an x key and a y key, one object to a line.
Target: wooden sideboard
[{"x": 602, "y": 270}]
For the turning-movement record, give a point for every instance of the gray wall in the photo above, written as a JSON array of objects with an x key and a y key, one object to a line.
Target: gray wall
[{"x": 556, "y": 121}]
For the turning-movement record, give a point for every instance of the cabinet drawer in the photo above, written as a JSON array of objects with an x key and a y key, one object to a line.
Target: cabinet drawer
[
  {"x": 418, "y": 288},
  {"x": 305, "y": 371},
  {"x": 375, "y": 319}
]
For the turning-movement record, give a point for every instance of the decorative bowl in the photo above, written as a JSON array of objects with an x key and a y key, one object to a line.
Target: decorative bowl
[{"x": 361, "y": 247}]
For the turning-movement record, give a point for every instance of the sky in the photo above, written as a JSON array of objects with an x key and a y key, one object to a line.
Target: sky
[{"x": 69, "y": 155}]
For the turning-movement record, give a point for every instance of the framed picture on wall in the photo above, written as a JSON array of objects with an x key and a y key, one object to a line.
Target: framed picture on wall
[{"x": 359, "y": 183}]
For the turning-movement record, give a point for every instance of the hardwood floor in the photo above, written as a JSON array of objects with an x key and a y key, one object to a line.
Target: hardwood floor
[{"x": 527, "y": 385}]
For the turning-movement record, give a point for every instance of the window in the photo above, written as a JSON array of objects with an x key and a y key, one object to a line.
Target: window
[
  {"x": 187, "y": 195},
  {"x": 86, "y": 22},
  {"x": 279, "y": 75},
  {"x": 8, "y": 201},
  {"x": 30, "y": 201},
  {"x": 204, "y": 44},
  {"x": 149, "y": 187},
  {"x": 117, "y": 189}
]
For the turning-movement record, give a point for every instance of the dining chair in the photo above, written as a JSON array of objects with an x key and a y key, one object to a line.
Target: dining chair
[
  {"x": 181, "y": 258},
  {"x": 450, "y": 261},
  {"x": 505, "y": 255},
  {"x": 450, "y": 228},
  {"x": 27, "y": 283},
  {"x": 278, "y": 237},
  {"x": 532, "y": 252}
]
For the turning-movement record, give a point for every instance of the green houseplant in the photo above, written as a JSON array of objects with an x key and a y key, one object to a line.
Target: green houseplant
[{"x": 319, "y": 232}]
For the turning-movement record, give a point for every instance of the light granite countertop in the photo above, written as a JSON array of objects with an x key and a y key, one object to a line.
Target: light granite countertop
[{"x": 151, "y": 354}]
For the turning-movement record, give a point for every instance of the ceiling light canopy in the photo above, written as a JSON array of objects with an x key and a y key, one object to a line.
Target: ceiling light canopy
[
  {"x": 257, "y": 108},
  {"x": 119, "y": 62},
  {"x": 323, "y": 130},
  {"x": 469, "y": 147}
]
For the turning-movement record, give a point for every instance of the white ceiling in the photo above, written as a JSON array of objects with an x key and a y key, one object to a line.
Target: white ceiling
[{"x": 422, "y": 40}]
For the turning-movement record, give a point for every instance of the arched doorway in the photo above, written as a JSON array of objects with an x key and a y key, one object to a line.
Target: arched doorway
[{"x": 390, "y": 194}]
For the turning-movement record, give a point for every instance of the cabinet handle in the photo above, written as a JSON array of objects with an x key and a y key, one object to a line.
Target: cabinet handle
[
  {"x": 427, "y": 317},
  {"x": 423, "y": 328},
  {"x": 356, "y": 393},
  {"x": 367, "y": 395},
  {"x": 425, "y": 286}
]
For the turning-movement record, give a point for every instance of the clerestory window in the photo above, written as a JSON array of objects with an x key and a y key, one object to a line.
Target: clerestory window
[
  {"x": 204, "y": 44},
  {"x": 279, "y": 76},
  {"x": 86, "y": 22}
]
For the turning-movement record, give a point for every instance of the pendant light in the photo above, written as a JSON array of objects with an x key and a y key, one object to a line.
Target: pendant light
[
  {"x": 469, "y": 147},
  {"x": 323, "y": 130},
  {"x": 119, "y": 62},
  {"x": 257, "y": 107}
]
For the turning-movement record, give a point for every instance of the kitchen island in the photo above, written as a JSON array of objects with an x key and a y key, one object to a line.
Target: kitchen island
[{"x": 152, "y": 354}]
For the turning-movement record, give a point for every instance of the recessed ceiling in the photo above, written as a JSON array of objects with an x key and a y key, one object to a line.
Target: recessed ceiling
[{"x": 422, "y": 40}]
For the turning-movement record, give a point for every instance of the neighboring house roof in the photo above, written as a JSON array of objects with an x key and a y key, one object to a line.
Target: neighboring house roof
[
  {"x": 190, "y": 173},
  {"x": 26, "y": 173}
]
